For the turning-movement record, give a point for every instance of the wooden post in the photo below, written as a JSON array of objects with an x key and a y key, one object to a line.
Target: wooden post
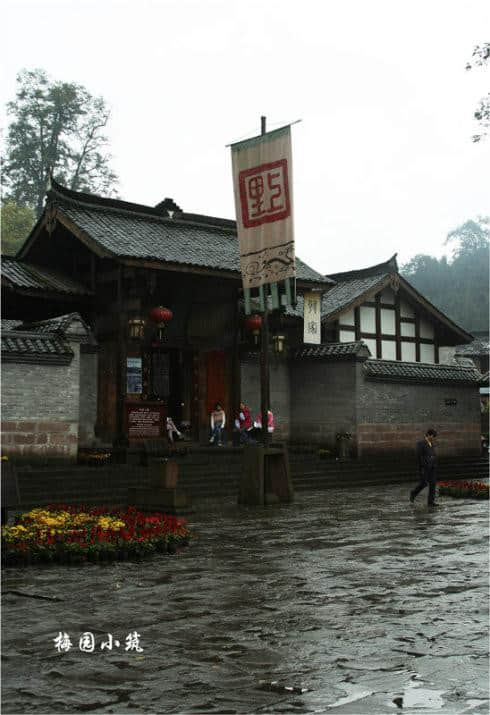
[
  {"x": 121, "y": 363},
  {"x": 264, "y": 354}
]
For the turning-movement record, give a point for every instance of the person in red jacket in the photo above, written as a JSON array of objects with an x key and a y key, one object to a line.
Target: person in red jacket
[
  {"x": 270, "y": 422},
  {"x": 243, "y": 422}
]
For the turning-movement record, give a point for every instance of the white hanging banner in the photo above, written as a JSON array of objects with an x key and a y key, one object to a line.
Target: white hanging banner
[
  {"x": 312, "y": 318},
  {"x": 262, "y": 180}
]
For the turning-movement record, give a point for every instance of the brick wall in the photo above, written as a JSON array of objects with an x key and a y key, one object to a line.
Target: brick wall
[
  {"x": 279, "y": 391},
  {"x": 393, "y": 416},
  {"x": 40, "y": 409},
  {"x": 323, "y": 400}
]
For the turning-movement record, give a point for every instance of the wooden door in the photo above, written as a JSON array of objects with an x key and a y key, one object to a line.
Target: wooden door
[{"x": 216, "y": 379}]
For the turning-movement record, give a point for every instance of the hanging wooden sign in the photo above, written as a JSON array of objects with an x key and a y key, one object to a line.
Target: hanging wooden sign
[{"x": 312, "y": 318}]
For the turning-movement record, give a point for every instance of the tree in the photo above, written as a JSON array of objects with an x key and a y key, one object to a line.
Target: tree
[
  {"x": 57, "y": 126},
  {"x": 470, "y": 238},
  {"x": 480, "y": 58},
  {"x": 16, "y": 222},
  {"x": 460, "y": 287}
]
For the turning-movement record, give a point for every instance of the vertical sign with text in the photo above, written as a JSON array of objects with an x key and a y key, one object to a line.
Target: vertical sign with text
[{"x": 312, "y": 318}]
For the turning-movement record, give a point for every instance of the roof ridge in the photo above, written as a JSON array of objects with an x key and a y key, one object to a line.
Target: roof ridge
[
  {"x": 102, "y": 203},
  {"x": 388, "y": 266}
]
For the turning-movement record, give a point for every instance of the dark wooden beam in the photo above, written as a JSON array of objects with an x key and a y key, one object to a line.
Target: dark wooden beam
[
  {"x": 398, "y": 327},
  {"x": 417, "y": 337},
  {"x": 357, "y": 322},
  {"x": 378, "y": 326}
]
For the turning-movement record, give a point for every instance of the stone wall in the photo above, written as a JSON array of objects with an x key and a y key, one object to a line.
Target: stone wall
[
  {"x": 40, "y": 409},
  {"x": 279, "y": 391},
  {"x": 323, "y": 400},
  {"x": 392, "y": 417}
]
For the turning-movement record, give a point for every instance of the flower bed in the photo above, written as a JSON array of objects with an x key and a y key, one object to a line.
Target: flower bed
[
  {"x": 75, "y": 534},
  {"x": 475, "y": 490},
  {"x": 94, "y": 458}
]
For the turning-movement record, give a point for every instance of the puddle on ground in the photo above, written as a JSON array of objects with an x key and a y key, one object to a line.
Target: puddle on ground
[{"x": 381, "y": 610}]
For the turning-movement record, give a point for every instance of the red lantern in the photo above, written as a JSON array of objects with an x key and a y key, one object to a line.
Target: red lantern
[
  {"x": 160, "y": 315},
  {"x": 254, "y": 324}
]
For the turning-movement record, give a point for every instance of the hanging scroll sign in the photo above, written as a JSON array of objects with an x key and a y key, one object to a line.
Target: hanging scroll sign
[
  {"x": 264, "y": 208},
  {"x": 312, "y": 318}
]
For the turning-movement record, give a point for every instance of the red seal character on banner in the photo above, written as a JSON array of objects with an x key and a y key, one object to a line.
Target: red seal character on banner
[{"x": 264, "y": 193}]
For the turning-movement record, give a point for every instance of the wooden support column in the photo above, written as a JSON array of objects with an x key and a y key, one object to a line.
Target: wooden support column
[
  {"x": 121, "y": 439},
  {"x": 378, "y": 326},
  {"x": 235, "y": 370}
]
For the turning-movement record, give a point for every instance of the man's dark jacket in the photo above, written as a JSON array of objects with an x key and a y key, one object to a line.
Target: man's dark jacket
[{"x": 426, "y": 457}]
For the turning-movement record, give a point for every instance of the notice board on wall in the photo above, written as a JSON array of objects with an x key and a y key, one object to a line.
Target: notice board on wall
[{"x": 145, "y": 419}]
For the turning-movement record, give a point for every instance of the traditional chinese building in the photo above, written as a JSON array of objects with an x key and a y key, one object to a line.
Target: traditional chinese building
[{"x": 376, "y": 374}]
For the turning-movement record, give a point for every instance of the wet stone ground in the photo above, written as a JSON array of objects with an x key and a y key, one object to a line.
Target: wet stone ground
[{"x": 358, "y": 597}]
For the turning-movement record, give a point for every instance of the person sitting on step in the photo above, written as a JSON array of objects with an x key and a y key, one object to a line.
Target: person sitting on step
[
  {"x": 218, "y": 421},
  {"x": 258, "y": 424},
  {"x": 243, "y": 423},
  {"x": 172, "y": 429}
]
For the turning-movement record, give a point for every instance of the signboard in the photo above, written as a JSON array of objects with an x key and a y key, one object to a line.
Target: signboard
[
  {"x": 312, "y": 318},
  {"x": 134, "y": 376},
  {"x": 262, "y": 180},
  {"x": 145, "y": 420}
]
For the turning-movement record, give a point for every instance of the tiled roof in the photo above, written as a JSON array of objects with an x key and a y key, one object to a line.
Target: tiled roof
[
  {"x": 420, "y": 372},
  {"x": 352, "y": 285},
  {"x": 27, "y": 276},
  {"x": 346, "y": 292},
  {"x": 334, "y": 351},
  {"x": 349, "y": 287},
  {"x": 479, "y": 346},
  {"x": 142, "y": 232},
  {"x": 10, "y": 324},
  {"x": 27, "y": 347},
  {"x": 61, "y": 324}
]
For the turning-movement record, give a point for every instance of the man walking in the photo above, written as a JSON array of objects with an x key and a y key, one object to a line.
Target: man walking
[{"x": 426, "y": 461}]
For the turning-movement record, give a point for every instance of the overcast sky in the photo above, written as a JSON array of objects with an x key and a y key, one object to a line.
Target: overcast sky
[{"x": 383, "y": 160}]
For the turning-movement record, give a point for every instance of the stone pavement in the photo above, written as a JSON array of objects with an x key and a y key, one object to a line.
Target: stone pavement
[{"x": 354, "y": 599}]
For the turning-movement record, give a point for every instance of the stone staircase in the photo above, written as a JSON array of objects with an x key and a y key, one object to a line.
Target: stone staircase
[{"x": 212, "y": 474}]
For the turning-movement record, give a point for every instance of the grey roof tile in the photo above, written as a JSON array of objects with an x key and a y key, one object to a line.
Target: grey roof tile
[
  {"x": 138, "y": 232},
  {"x": 332, "y": 351},
  {"x": 61, "y": 324},
  {"x": 346, "y": 292},
  {"x": 24, "y": 275},
  {"x": 20, "y": 346},
  {"x": 10, "y": 324},
  {"x": 420, "y": 372},
  {"x": 479, "y": 346},
  {"x": 350, "y": 286}
]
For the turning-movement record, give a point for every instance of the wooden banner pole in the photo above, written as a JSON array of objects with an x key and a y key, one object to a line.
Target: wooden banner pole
[{"x": 264, "y": 353}]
